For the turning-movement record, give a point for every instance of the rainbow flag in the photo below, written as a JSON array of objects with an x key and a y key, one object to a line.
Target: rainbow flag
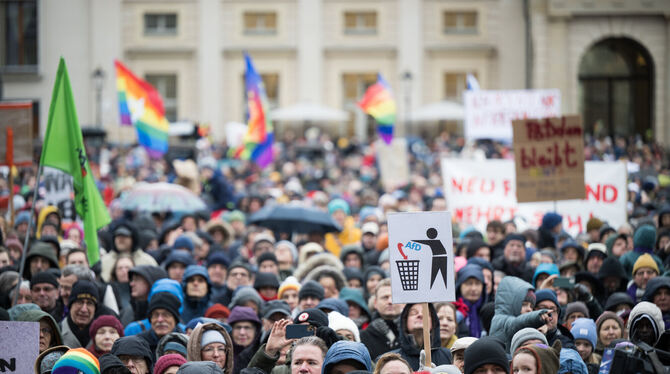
[
  {"x": 378, "y": 102},
  {"x": 141, "y": 105},
  {"x": 77, "y": 360},
  {"x": 257, "y": 142}
]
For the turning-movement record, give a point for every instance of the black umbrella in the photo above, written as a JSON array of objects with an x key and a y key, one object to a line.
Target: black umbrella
[{"x": 294, "y": 219}]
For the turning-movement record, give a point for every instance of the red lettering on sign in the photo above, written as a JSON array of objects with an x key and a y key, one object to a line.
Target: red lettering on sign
[
  {"x": 573, "y": 221},
  {"x": 607, "y": 193},
  {"x": 553, "y": 156}
]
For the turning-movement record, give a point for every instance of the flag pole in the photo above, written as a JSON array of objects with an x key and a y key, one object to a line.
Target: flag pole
[
  {"x": 10, "y": 161},
  {"x": 30, "y": 227}
]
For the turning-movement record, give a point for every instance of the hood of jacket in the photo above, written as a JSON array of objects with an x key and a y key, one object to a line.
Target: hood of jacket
[
  {"x": 171, "y": 286},
  {"x": 133, "y": 346},
  {"x": 149, "y": 272},
  {"x": 193, "y": 348},
  {"x": 651, "y": 310},
  {"x": 511, "y": 293},
  {"x": 612, "y": 267},
  {"x": 42, "y": 217},
  {"x": 571, "y": 362},
  {"x": 134, "y": 235},
  {"x": 406, "y": 340},
  {"x": 654, "y": 285},
  {"x": 43, "y": 249},
  {"x": 177, "y": 337},
  {"x": 346, "y": 350},
  {"x": 36, "y": 316},
  {"x": 315, "y": 261},
  {"x": 328, "y": 271}
]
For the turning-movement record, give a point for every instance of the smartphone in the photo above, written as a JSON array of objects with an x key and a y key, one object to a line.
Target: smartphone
[
  {"x": 299, "y": 331},
  {"x": 564, "y": 282}
]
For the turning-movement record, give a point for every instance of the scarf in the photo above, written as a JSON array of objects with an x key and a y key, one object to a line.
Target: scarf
[
  {"x": 80, "y": 334},
  {"x": 268, "y": 298},
  {"x": 635, "y": 292},
  {"x": 472, "y": 317},
  {"x": 94, "y": 349}
]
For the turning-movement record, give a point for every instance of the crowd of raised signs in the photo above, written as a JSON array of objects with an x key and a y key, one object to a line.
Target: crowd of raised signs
[{"x": 206, "y": 292}]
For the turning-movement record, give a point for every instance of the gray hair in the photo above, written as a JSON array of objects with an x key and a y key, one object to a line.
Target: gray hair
[{"x": 79, "y": 271}]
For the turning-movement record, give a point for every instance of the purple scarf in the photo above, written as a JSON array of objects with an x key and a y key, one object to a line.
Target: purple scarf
[{"x": 472, "y": 318}]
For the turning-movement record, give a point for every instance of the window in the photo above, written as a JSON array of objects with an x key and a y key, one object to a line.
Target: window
[
  {"x": 354, "y": 86},
  {"x": 360, "y": 23},
  {"x": 455, "y": 84},
  {"x": 260, "y": 23},
  {"x": 459, "y": 22},
  {"x": 271, "y": 84},
  {"x": 160, "y": 24},
  {"x": 166, "y": 85},
  {"x": 18, "y": 35}
]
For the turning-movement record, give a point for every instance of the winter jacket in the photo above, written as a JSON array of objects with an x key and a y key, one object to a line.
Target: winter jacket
[
  {"x": 36, "y": 316},
  {"x": 69, "y": 337},
  {"x": 193, "y": 349},
  {"x": 507, "y": 321},
  {"x": 268, "y": 364},
  {"x": 346, "y": 350},
  {"x": 152, "y": 339},
  {"x": 199, "y": 367},
  {"x": 408, "y": 348},
  {"x": 501, "y": 264},
  {"x": 562, "y": 334},
  {"x": 139, "y": 256},
  {"x": 381, "y": 336},
  {"x": 654, "y": 285},
  {"x": 571, "y": 362}
]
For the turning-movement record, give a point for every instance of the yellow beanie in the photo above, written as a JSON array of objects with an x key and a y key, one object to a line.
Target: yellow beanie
[{"x": 645, "y": 261}]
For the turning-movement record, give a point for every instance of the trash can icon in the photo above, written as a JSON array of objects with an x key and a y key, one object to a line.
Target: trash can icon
[{"x": 409, "y": 274}]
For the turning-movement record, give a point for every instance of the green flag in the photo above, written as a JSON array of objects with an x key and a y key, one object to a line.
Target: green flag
[{"x": 63, "y": 149}]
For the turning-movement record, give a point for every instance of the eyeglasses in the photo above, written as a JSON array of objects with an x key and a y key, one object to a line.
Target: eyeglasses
[{"x": 46, "y": 331}]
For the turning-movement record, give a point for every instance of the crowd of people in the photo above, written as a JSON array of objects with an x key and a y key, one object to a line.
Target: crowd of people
[{"x": 207, "y": 292}]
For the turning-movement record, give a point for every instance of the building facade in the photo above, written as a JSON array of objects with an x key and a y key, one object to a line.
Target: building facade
[{"x": 608, "y": 57}]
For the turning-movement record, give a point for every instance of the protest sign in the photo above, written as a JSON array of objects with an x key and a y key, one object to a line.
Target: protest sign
[
  {"x": 480, "y": 191},
  {"x": 393, "y": 163},
  {"x": 422, "y": 258},
  {"x": 549, "y": 158},
  {"x": 20, "y": 346},
  {"x": 18, "y": 117},
  {"x": 489, "y": 114},
  {"x": 57, "y": 191}
]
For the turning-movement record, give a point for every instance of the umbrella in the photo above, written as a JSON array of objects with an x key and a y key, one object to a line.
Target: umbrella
[
  {"x": 161, "y": 197},
  {"x": 290, "y": 218}
]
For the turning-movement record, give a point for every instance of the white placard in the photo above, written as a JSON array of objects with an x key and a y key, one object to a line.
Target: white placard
[
  {"x": 20, "y": 346},
  {"x": 422, "y": 257},
  {"x": 489, "y": 114},
  {"x": 480, "y": 191},
  {"x": 56, "y": 188}
]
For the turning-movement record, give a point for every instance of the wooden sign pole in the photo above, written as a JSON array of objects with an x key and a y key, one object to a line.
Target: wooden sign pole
[
  {"x": 10, "y": 161},
  {"x": 426, "y": 334}
]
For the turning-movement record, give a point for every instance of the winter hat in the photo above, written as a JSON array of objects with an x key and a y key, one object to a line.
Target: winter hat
[
  {"x": 487, "y": 350},
  {"x": 175, "y": 346},
  {"x": 525, "y": 335},
  {"x": 333, "y": 304},
  {"x": 218, "y": 258},
  {"x": 546, "y": 294},
  {"x": 311, "y": 288},
  {"x": 353, "y": 273},
  {"x": 645, "y": 261},
  {"x": 212, "y": 336},
  {"x": 290, "y": 283},
  {"x": 354, "y": 295},
  {"x": 243, "y": 313},
  {"x": 166, "y": 361},
  {"x": 585, "y": 328},
  {"x": 462, "y": 343},
  {"x": 47, "y": 359},
  {"x": 167, "y": 301},
  {"x": 43, "y": 277},
  {"x": 313, "y": 316},
  {"x": 77, "y": 360},
  {"x": 291, "y": 246},
  {"x": 200, "y": 367},
  {"x": 576, "y": 306},
  {"x": 338, "y": 204},
  {"x": 178, "y": 257},
  {"x": 593, "y": 224},
  {"x": 337, "y": 321},
  {"x": 604, "y": 317},
  {"x": 83, "y": 289},
  {"x": 645, "y": 237},
  {"x": 217, "y": 311},
  {"x": 134, "y": 346},
  {"x": 193, "y": 270},
  {"x": 275, "y": 306},
  {"x": 15, "y": 311},
  {"x": 184, "y": 242},
  {"x": 617, "y": 299},
  {"x": 243, "y": 295},
  {"x": 374, "y": 270},
  {"x": 550, "y": 220},
  {"x": 103, "y": 321},
  {"x": 544, "y": 268},
  {"x": 266, "y": 280},
  {"x": 596, "y": 249},
  {"x": 168, "y": 285},
  {"x": 518, "y": 237},
  {"x": 467, "y": 272},
  {"x": 109, "y": 361},
  {"x": 267, "y": 256}
]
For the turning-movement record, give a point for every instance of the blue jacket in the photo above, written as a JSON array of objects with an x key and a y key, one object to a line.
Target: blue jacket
[
  {"x": 161, "y": 285},
  {"x": 571, "y": 362},
  {"x": 346, "y": 350}
]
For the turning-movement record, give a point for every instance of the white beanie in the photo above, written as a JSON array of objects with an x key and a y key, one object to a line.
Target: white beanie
[
  {"x": 337, "y": 321},
  {"x": 211, "y": 336}
]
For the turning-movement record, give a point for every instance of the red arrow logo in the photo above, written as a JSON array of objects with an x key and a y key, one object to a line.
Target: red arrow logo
[{"x": 401, "y": 252}]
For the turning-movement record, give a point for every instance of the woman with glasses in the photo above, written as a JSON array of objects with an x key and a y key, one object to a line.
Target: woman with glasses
[
  {"x": 211, "y": 342},
  {"x": 49, "y": 331}
]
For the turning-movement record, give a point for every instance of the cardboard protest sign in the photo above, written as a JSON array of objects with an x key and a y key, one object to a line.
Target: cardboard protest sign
[
  {"x": 18, "y": 116},
  {"x": 422, "y": 257},
  {"x": 489, "y": 114},
  {"x": 393, "y": 163},
  {"x": 56, "y": 189},
  {"x": 20, "y": 346},
  {"x": 549, "y": 159},
  {"x": 479, "y": 191}
]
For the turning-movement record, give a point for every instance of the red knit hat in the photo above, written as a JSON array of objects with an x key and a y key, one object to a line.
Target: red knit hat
[
  {"x": 166, "y": 361},
  {"x": 105, "y": 320},
  {"x": 217, "y": 311}
]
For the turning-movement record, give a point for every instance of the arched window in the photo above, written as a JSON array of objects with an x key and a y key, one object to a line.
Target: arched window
[{"x": 616, "y": 89}]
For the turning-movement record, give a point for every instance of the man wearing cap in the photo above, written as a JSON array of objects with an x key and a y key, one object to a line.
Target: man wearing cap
[
  {"x": 514, "y": 256},
  {"x": 645, "y": 269},
  {"x": 459, "y": 347},
  {"x": 125, "y": 240},
  {"x": 83, "y": 304},
  {"x": 163, "y": 315},
  {"x": 69, "y": 275},
  {"x": 267, "y": 285},
  {"x": 486, "y": 356},
  {"x": 44, "y": 291},
  {"x": 273, "y": 311},
  {"x": 310, "y": 294}
]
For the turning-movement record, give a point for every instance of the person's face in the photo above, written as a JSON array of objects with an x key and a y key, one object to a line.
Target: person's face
[
  {"x": 540, "y": 278},
  {"x": 483, "y": 252},
  {"x": 82, "y": 312},
  {"x": 584, "y": 348},
  {"x": 459, "y": 361},
  {"x": 347, "y": 335},
  {"x": 371, "y": 284},
  {"x": 594, "y": 263},
  {"x": 526, "y": 307},
  {"x": 489, "y": 369},
  {"x": 49, "y": 231},
  {"x": 546, "y": 304},
  {"x": 77, "y": 258},
  {"x": 447, "y": 322},
  {"x": 643, "y": 275},
  {"x": 123, "y": 265},
  {"x": 14, "y": 253},
  {"x": 570, "y": 254},
  {"x": 201, "y": 251},
  {"x": 369, "y": 240},
  {"x": 355, "y": 311},
  {"x": 329, "y": 287},
  {"x": 22, "y": 228},
  {"x": 171, "y": 370},
  {"x": 105, "y": 338},
  {"x": 572, "y": 318},
  {"x": 139, "y": 287},
  {"x": 395, "y": 367},
  {"x": 268, "y": 292},
  {"x": 25, "y": 296},
  {"x": 38, "y": 264},
  {"x": 343, "y": 368},
  {"x": 515, "y": 253},
  {"x": 196, "y": 286},
  {"x": 244, "y": 333},
  {"x": 284, "y": 257},
  {"x": 188, "y": 224},
  {"x": 524, "y": 363},
  {"x": 217, "y": 273},
  {"x": 162, "y": 321},
  {"x": 263, "y": 247},
  {"x": 4, "y": 259},
  {"x": 352, "y": 261},
  {"x": 237, "y": 277},
  {"x": 135, "y": 364},
  {"x": 643, "y": 332},
  {"x": 291, "y": 298},
  {"x": 472, "y": 289},
  {"x": 619, "y": 247},
  {"x": 215, "y": 352},
  {"x": 176, "y": 271},
  {"x": 662, "y": 298},
  {"x": 354, "y": 283},
  {"x": 384, "y": 304},
  {"x": 268, "y": 267},
  {"x": 45, "y": 295},
  {"x": 415, "y": 318},
  {"x": 494, "y": 236},
  {"x": 306, "y": 359},
  {"x": 123, "y": 244},
  {"x": 609, "y": 331},
  {"x": 74, "y": 235},
  {"x": 611, "y": 283},
  {"x": 308, "y": 302},
  {"x": 46, "y": 333}
]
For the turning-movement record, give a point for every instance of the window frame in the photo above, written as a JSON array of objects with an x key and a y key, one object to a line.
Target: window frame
[
  {"x": 21, "y": 68},
  {"x": 359, "y": 27},
  {"x": 257, "y": 31},
  {"x": 160, "y": 30},
  {"x": 170, "y": 104},
  {"x": 460, "y": 28}
]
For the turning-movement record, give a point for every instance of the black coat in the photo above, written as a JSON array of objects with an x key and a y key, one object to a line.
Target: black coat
[
  {"x": 380, "y": 336},
  {"x": 408, "y": 349}
]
